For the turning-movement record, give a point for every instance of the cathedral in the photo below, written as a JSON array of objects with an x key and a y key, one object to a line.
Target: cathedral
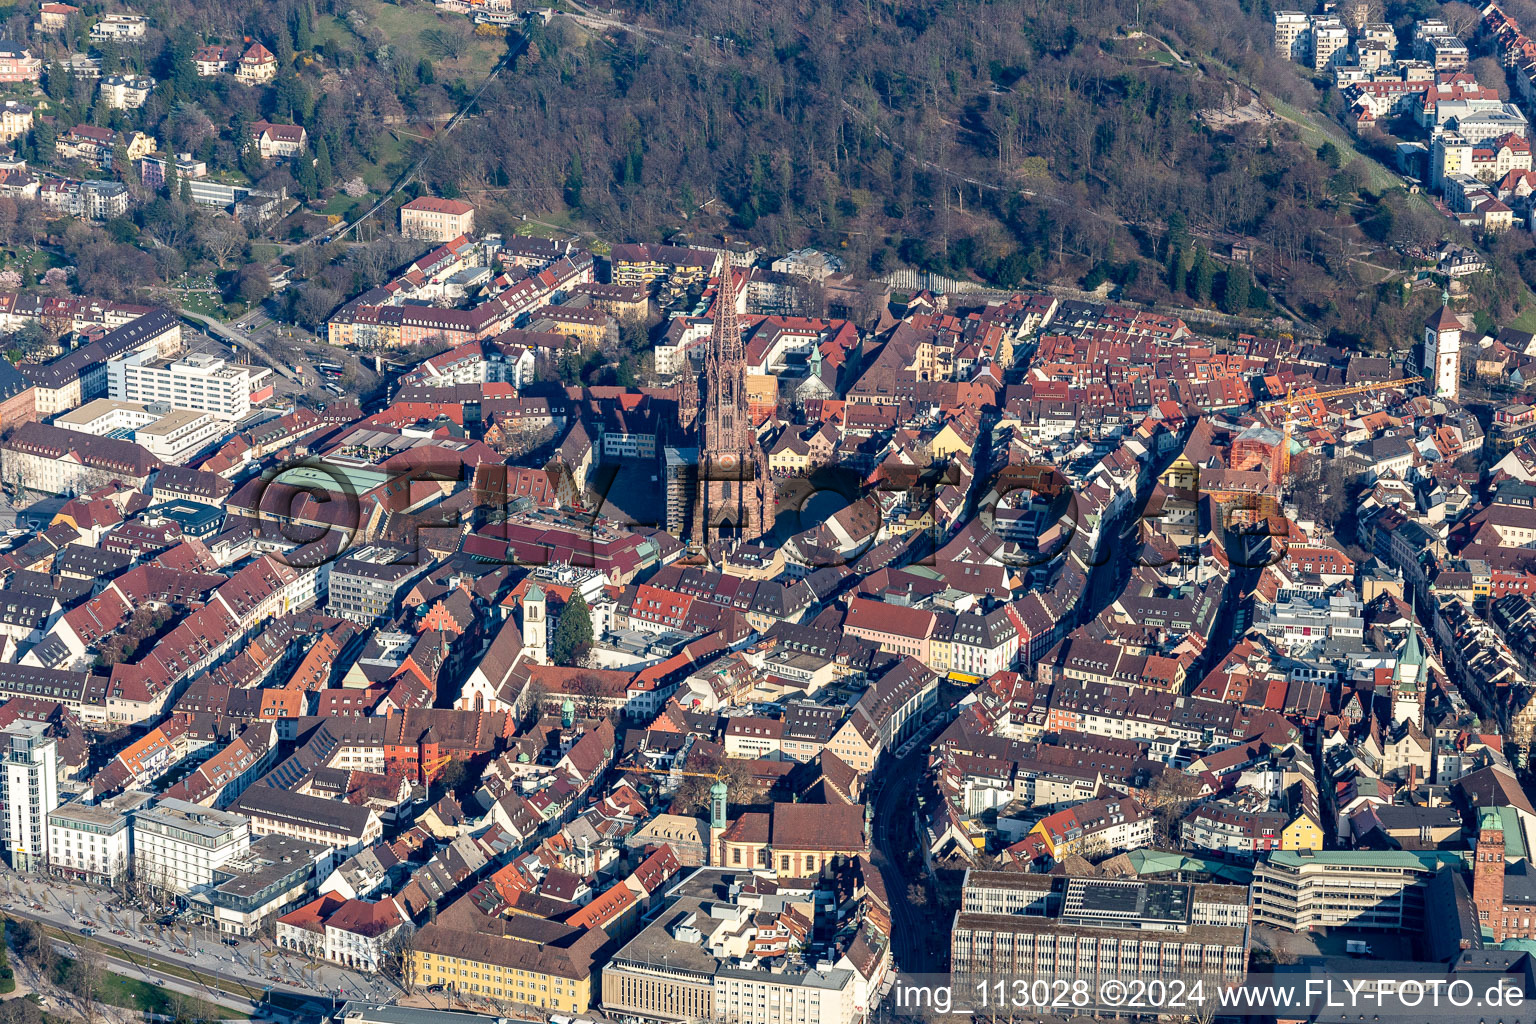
[{"x": 734, "y": 497}]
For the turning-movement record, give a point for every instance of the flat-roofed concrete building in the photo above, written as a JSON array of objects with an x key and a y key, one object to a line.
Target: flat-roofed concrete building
[
  {"x": 1300, "y": 890},
  {"x": 1058, "y": 926},
  {"x": 94, "y": 842},
  {"x": 276, "y": 874},
  {"x": 178, "y": 845},
  {"x": 690, "y": 961}
]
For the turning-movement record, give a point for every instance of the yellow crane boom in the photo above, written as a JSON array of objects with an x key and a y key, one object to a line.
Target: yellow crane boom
[{"x": 1282, "y": 462}]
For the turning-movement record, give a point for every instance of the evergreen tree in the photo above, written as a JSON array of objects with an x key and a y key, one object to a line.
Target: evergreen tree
[
  {"x": 1205, "y": 273},
  {"x": 250, "y": 160},
  {"x": 1234, "y": 298},
  {"x": 308, "y": 183},
  {"x": 183, "y": 68},
  {"x": 121, "y": 165},
  {"x": 573, "y": 632},
  {"x": 172, "y": 185},
  {"x": 186, "y": 190},
  {"x": 573, "y": 182},
  {"x": 323, "y": 172},
  {"x": 57, "y": 81},
  {"x": 1176, "y": 271}
]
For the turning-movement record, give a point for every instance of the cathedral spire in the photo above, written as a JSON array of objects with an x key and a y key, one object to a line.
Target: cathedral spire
[{"x": 735, "y": 493}]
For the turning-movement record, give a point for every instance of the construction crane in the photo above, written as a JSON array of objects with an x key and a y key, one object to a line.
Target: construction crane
[
  {"x": 1281, "y": 464},
  {"x": 718, "y": 774}
]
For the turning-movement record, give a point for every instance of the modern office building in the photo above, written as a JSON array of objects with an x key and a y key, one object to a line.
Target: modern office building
[
  {"x": 1300, "y": 890},
  {"x": 274, "y": 875},
  {"x": 694, "y": 961},
  {"x": 366, "y": 585},
  {"x": 201, "y": 382},
  {"x": 1026, "y": 925},
  {"x": 179, "y": 845}
]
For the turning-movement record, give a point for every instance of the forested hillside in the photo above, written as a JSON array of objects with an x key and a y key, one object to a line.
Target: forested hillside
[{"x": 998, "y": 140}]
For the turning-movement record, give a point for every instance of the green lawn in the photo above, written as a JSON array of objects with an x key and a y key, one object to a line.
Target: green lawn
[
  {"x": 342, "y": 205},
  {"x": 392, "y": 155},
  {"x": 401, "y": 22},
  {"x": 330, "y": 29},
  {"x": 117, "y": 990},
  {"x": 204, "y": 303}
]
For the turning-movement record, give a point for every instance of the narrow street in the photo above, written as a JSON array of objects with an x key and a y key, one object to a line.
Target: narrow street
[{"x": 912, "y": 927}]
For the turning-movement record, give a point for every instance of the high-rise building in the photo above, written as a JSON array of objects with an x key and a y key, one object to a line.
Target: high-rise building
[
  {"x": 30, "y": 791},
  {"x": 735, "y": 493}
]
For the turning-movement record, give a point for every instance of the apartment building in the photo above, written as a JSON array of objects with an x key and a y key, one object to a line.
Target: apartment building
[
  {"x": 119, "y": 28},
  {"x": 15, "y": 120},
  {"x": 436, "y": 220},
  {"x": 17, "y": 63},
  {"x": 643, "y": 263},
  {"x": 30, "y": 790},
  {"x": 92, "y": 199},
  {"x": 278, "y": 141},
  {"x": 257, "y": 66},
  {"x": 93, "y": 843},
  {"x": 1330, "y": 41},
  {"x": 178, "y": 845},
  {"x": 201, "y": 382},
  {"x": 1293, "y": 41},
  {"x": 125, "y": 92}
]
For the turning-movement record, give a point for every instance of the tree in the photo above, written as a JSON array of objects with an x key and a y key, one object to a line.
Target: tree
[
  {"x": 589, "y": 696},
  {"x": 692, "y": 795},
  {"x": 1490, "y": 75},
  {"x": 573, "y": 182},
  {"x": 25, "y": 938},
  {"x": 323, "y": 173},
  {"x": 573, "y": 632},
  {"x": 223, "y": 239},
  {"x": 445, "y": 43},
  {"x": 1234, "y": 297},
  {"x": 396, "y": 961},
  {"x": 252, "y": 283},
  {"x": 1460, "y": 18},
  {"x": 1176, "y": 271},
  {"x": 1204, "y": 275},
  {"x": 172, "y": 181},
  {"x": 452, "y": 776},
  {"x": 83, "y": 979}
]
